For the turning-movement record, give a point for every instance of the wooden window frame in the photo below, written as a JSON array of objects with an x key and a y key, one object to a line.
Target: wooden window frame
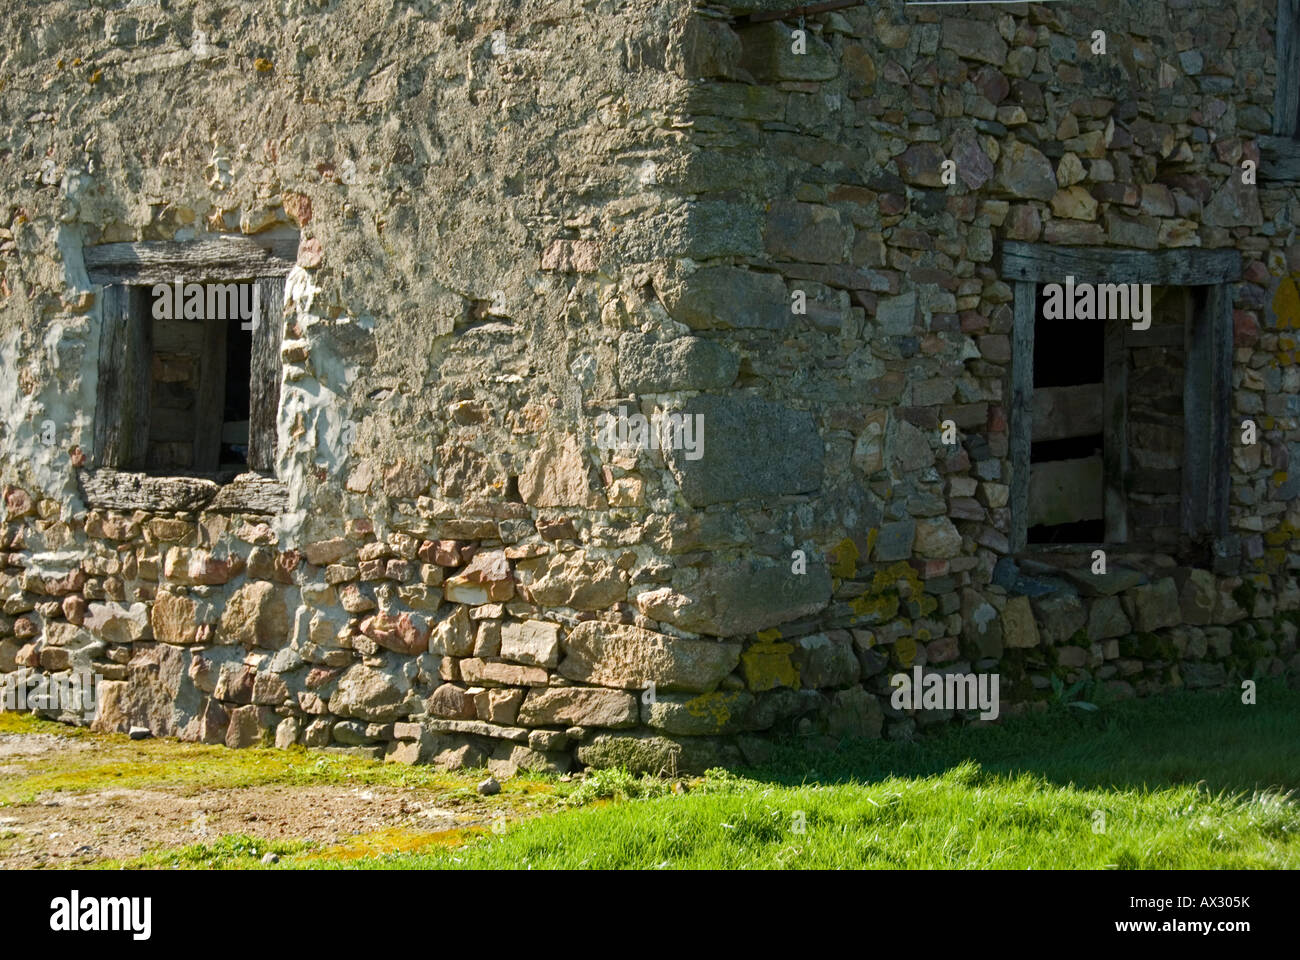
[
  {"x": 117, "y": 477},
  {"x": 1279, "y": 154},
  {"x": 1207, "y": 383}
]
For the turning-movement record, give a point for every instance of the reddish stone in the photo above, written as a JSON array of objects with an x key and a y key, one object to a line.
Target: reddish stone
[
  {"x": 297, "y": 207},
  {"x": 71, "y": 582},
  {"x": 310, "y": 253},
  {"x": 213, "y": 722},
  {"x": 319, "y": 676},
  {"x": 973, "y": 322},
  {"x": 930, "y": 569},
  {"x": 285, "y": 565},
  {"x": 401, "y": 634},
  {"x": 1245, "y": 328},
  {"x": 74, "y": 608},
  {"x": 891, "y": 204},
  {"x": 446, "y": 553},
  {"x": 992, "y": 84},
  {"x": 1255, "y": 272},
  {"x": 944, "y": 650},
  {"x": 451, "y": 702},
  {"x": 18, "y": 503}
]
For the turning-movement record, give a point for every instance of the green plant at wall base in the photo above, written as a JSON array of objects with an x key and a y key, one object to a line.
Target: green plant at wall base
[
  {"x": 1244, "y": 595},
  {"x": 1066, "y": 695}
]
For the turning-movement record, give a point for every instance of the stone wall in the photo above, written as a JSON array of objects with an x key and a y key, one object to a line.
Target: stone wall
[{"x": 517, "y": 217}]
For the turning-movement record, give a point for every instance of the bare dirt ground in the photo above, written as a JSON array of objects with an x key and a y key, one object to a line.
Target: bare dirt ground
[{"x": 67, "y": 829}]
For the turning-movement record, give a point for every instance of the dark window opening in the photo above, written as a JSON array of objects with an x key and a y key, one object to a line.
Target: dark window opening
[
  {"x": 189, "y": 389},
  {"x": 1065, "y": 454},
  {"x": 1066, "y": 352},
  {"x": 1072, "y": 483},
  {"x": 234, "y": 426}
]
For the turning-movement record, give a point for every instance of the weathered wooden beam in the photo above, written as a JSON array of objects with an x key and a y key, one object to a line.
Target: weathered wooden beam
[
  {"x": 221, "y": 258},
  {"x": 1060, "y": 413},
  {"x": 1207, "y": 389},
  {"x": 1114, "y": 431},
  {"x": 251, "y": 494},
  {"x": 1286, "y": 95},
  {"x": 119, "y": 490},
  {"x": 264, "y": 376},
  {"x": 125, "y": 359},
  {"x": 116, "y": 490},
  {"x": 1021, "y": 416},
  {"x": 1218, "y": 309},
  {"x": 1047, "y": 263},
  {"x": 1279, "y": 159}
]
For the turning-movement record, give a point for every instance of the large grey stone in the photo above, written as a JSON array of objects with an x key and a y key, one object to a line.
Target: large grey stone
[
  {"x": 981, "y": 627},
  {"x": 825, "y": 660},
  {"x": 1024, "y": 172},
  {"x": 368, "y": 693},
  {"x": 158, "y": 694},
  {"x": 533, "y": 642},
  {"x": 687, "y": 363},
  {"x": 650, "y": 753},
  {"x": 807, "y": 232},
  {"x": 722, "y": 712},
  {"x": 897, "y": 316},
  {"x": 769, "y": 53},
  {"x": 1059, "y": 616},
  {"x": 974, "y": 40},
  {"x": 618, "y": 655},
  {"x": 1154, "y": 605},
  {"x": 1106, "y": 619},
  {"x": 741, "y": 598},
  {"x": 729, "y": 298},
  {"x": 578, "y": 706},
  {"x": 894, "y": 541},
  {"x": 752, "y": 449},
  {"x": 854, "y": 713}
]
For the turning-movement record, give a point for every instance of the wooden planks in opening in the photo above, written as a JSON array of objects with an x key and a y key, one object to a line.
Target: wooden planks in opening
[
  {"x": 1060, "y": 413},
  {"x": 1065, "y": 491}
]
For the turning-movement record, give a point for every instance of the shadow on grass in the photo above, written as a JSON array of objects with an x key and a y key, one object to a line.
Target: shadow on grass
[{"x": 1176, "y": 739}]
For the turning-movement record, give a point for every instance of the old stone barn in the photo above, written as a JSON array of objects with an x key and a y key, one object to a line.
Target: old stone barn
[{"x": 317, "y": 319}]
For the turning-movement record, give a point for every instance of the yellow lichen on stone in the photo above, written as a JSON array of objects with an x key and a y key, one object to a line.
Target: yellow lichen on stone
[
  {"x": 263, "y": 65},
  {"x": 1286, "y": 303},
  {"x": 881, "y": 607},
  {"x": 769, "y": 635},
  {"x": 846, "y": 560},
  {"x": 767, "y": 665},
  {"x": 905, "y": 650},
  {"x": 715, "y": 707}
]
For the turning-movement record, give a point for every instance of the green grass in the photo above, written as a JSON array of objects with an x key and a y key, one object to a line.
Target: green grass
[
  {"x": 117, "y": 762},
  {"x": 1182, "y": 781}
]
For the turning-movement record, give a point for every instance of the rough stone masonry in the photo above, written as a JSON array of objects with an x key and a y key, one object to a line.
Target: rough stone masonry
[{"x": 505, "y": 219}]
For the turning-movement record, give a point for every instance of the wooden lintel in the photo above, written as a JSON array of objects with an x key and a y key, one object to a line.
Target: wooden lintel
[
  {"x": 217, "y": 259},
  {"x": 1184, "y": 266}
]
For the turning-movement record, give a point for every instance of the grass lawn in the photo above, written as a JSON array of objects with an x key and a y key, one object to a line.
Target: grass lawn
[
  {"x": 1183, "y": 781},
  {"x": 1189, "y": 780}
]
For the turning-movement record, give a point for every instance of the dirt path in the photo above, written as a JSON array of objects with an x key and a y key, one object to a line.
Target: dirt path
[{"x": 67, "y": 829}]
